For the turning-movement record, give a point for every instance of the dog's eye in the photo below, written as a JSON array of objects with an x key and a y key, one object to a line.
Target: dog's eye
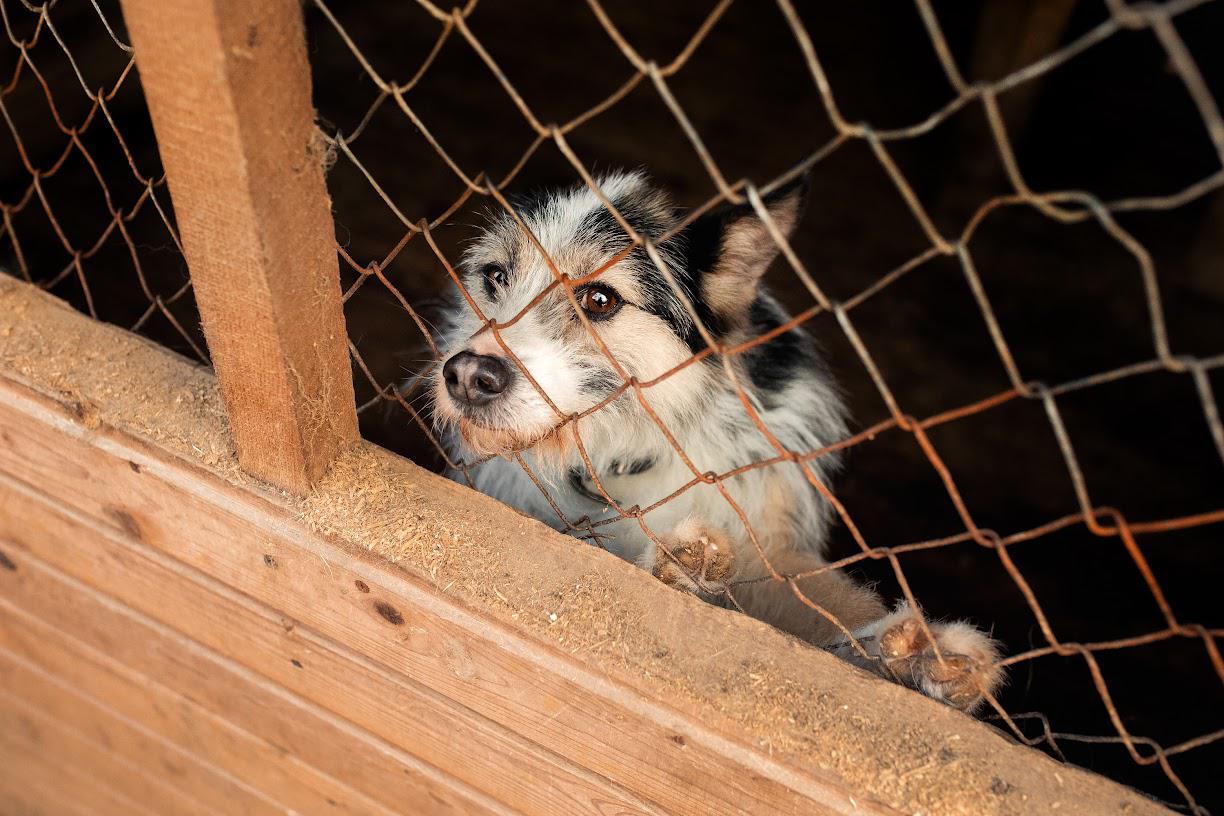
[
  {"x": 494, "y": 275},
  {"x": 599, "y": 301}
]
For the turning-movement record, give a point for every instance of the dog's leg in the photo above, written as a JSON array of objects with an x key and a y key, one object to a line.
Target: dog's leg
[
  {"x": 895, "y": 643},
  {"x": 699, "y": 559},
  {"x": 762, "y": 596},
  {"x": 898, "y": 648}
]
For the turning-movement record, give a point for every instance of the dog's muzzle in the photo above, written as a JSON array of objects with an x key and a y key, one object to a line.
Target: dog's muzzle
[{"x": 474, "y": 380}]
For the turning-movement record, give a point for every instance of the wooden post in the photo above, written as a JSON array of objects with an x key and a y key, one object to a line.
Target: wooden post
[{"x": 228, "y": 88}]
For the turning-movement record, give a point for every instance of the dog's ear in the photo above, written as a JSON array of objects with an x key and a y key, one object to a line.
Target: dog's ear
[{"x": 730, "y": 248}]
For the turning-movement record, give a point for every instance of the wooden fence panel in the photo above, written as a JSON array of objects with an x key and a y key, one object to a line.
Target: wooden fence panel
[
  {"x": 444, "y": 642},
  {"x": 385, "y": 704},
  {"x": 35, "y": 779},
  {"x": 379, "y": 772}
]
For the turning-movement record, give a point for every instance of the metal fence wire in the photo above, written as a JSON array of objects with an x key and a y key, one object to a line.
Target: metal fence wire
[
  {"x": 454, "y": 29},
  {"x": 86, "y": 213}
]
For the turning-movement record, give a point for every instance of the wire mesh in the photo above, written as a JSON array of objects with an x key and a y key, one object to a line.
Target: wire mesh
[
  {"x": 85, "y": 210},
  {"x": 455, "y": 29}
]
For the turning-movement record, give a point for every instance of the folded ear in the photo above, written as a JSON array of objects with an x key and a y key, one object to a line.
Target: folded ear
[{"x": 730, "y": 248}]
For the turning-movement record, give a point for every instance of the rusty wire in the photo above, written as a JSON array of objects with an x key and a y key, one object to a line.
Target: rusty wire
[
  {"x": 46, "y": 35},
  {"x": 1065, "y": 206}
]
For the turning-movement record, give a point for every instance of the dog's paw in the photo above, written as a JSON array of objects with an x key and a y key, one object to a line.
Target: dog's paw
[
  {"x": 696, "y": 559},
  {"x": 968, "y": 669}
]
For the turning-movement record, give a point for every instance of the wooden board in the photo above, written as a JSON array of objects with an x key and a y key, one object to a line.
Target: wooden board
[
  {"x": 32, "y": 730},
  {"x": 255, "y": 775},
  {"x": 35, "y": 774},
  {"x": 228, "y": 89},
  {"x": 68, "y": 699},
  {"x": 383, "y": 703},
  {"x": 488, "y": 661}
]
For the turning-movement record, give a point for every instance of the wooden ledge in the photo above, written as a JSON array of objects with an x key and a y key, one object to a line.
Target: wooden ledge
[{"x": 444, "y": 650}]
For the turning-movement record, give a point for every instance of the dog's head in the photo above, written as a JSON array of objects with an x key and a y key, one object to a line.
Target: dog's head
[{"x": 554, "y": 350}]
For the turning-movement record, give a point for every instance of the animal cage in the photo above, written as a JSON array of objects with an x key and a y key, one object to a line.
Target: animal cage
[{"x": 232, "y": 579}]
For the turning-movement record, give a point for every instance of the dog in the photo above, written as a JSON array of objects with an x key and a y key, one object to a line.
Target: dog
[{"x": 634, "y": 475}]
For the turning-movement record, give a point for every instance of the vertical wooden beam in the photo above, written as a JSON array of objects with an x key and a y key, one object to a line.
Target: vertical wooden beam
[{"x": 228, "y": 88}]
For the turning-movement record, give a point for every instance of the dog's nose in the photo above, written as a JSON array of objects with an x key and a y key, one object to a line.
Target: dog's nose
[{"x": 475, "y": 379}]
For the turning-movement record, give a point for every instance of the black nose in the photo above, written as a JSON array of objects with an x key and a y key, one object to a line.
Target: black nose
[{"x": 475, "y": 379}]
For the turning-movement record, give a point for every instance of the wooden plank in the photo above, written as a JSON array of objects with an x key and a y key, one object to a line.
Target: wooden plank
[
  {"x": 20, "y": 800},
  {"x": 446, "y": 588},
  {"x": 450, "y": 737},
  {"x": 65, "y": 746},
  {"x": 228, "y": 88},
  {"x": 65, "y": 700},
  {"x": 663, "y": 761},
  {"x": 52, "y": 786},
  {"x": 380, "y": 771},
  {"x": 269, "y": 776}
]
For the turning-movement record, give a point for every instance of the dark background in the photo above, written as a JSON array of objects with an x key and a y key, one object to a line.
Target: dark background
[
  {"x": 69, "y": 219},
  {"x": 1116, "y": 121}
]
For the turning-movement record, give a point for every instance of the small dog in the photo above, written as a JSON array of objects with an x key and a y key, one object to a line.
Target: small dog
[{"x": 485, "y": 404}]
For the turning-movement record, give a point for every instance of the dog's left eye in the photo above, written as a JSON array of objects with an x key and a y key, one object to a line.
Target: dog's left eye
[
  {"x": 599, "y": 301},
  {"x": 495, "y": 276}
]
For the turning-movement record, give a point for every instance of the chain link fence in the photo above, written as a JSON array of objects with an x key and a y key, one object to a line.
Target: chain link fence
[
  {"x": 398, "y": 146},
  {"x": 86, "y": 214},
  {"x": 1004, "y": 467}
]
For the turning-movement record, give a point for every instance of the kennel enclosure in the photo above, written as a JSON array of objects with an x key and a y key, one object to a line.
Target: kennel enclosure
[{"x": 215, "y": 597}]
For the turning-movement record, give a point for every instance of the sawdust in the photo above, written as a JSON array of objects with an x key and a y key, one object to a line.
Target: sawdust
[
  {"x": 737, "y": 675},
  {"x": 112, "y": 377}
]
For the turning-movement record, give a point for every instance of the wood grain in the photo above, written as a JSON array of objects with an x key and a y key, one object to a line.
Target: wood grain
[
  {"x": 228, "y": 88},
  {"x": 257, "y": 770},
  {"x": 383, "y": 774},
  {"x": 19, "y": 716},
  {"x": 160, "y": 734},
  {"x": 449, "y": 736},
  {"x": 52, "y": 786}
]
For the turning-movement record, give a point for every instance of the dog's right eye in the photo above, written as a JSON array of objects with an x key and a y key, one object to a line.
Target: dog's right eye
[{"x": 495, "y": 277}]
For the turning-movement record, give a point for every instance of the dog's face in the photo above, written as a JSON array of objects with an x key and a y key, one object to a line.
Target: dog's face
[{"x": 629, "y": 312}]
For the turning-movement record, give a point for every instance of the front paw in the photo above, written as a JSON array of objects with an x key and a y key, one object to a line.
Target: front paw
[
  {"x": 696, "y": 559},
  {"x": 969, "y": 668}
]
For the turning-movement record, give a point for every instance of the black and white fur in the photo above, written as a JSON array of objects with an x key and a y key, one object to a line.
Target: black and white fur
[{"x": 484, "y": 406}]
